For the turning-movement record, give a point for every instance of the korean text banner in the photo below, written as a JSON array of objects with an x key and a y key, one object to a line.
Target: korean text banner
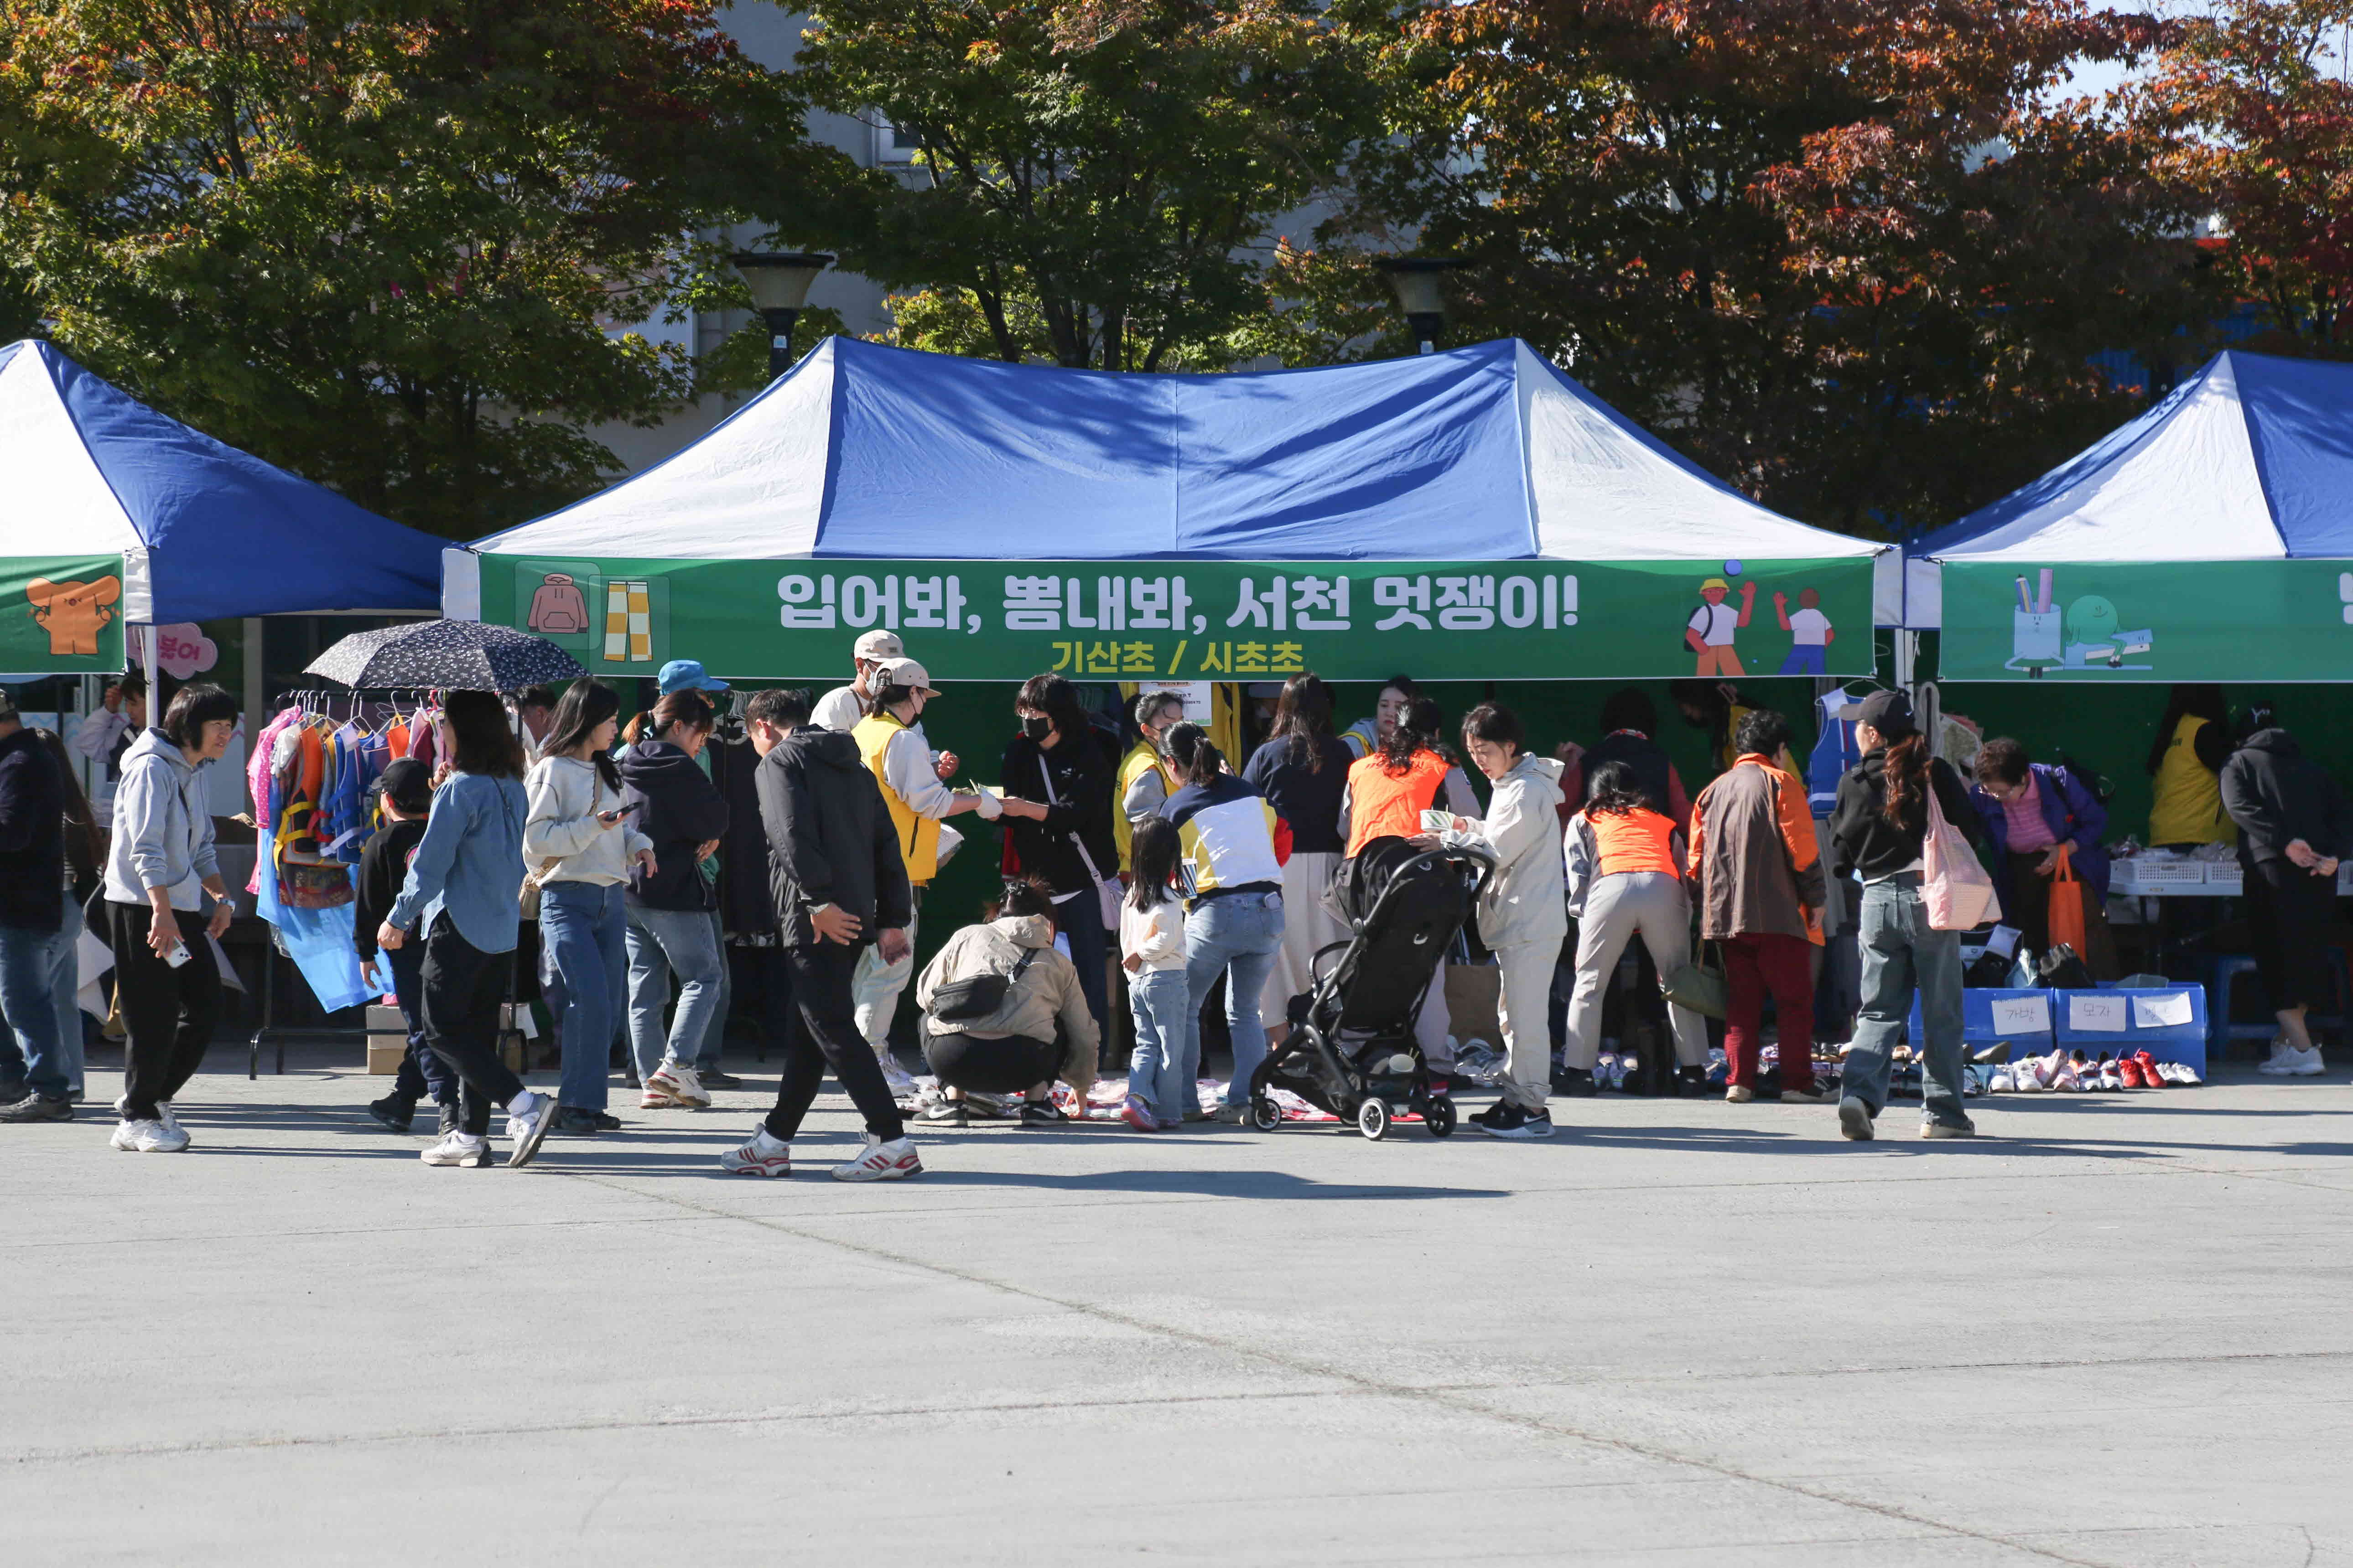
[
  {"x": 1348, "y": 620},
  {"x": 61, "y": 615},
  {"x": 2163, "y": 621}
]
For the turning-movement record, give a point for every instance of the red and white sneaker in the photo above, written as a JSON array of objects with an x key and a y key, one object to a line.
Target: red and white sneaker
[
  {"x": 766, "y": 1155},
  {"x": 1138, "y": 1115},
  {"x": 881, "y": 1162},
  {"x": 2129, "y": 1071}
]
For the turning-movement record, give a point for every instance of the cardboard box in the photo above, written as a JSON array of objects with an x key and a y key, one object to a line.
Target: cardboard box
[
  {"x": 382, "y": 1020},
  {"x": 385, "y": 1051}
]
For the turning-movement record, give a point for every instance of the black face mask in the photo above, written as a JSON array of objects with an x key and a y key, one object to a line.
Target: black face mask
[{"x": 1036, "y": 726}]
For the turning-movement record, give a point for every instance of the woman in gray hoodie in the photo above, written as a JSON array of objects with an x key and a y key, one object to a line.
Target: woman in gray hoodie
[{"x": 160, "y": 868}]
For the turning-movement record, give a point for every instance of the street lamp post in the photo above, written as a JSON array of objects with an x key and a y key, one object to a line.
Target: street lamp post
[
  {"x": 1416, "y": 279},
  {"x": 779, "y": 281}
]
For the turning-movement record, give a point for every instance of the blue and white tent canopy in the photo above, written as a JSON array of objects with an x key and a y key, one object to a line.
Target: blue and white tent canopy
[
  {"x": 2250, "y": 459},
  {"x": 204, "y": 530},
  {"x": 1478, "y": 453}
]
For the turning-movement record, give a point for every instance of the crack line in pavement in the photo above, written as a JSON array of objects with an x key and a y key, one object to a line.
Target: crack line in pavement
[{"x": 1442, "y": 1397}]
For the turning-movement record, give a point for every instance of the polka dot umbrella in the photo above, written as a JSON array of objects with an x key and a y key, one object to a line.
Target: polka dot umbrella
[{"x": 453, "y": 655}]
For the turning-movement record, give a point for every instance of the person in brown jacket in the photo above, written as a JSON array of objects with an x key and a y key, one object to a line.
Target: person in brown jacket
[{"x": 1761, "y": 889}]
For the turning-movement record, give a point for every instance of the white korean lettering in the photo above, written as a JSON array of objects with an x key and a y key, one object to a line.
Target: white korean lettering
[
  {"x": 808, "y": 602},
  {"x": 1408, "y": 597},
  {"x": 1033, "y": 603}
]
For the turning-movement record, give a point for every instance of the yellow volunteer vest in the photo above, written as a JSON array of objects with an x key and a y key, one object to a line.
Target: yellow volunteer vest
[
  {"x": 919, "y": 837},
  {"x": 1139, "y": 757},
  {"x": 2189, "y": 809}
]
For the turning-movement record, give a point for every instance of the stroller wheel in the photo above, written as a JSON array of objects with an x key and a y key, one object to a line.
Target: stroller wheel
[
  {"x": 1373, "y": 1119},
  {"x": 1265, "y": 1115},
  {"x": 1439, "y": 1118}
]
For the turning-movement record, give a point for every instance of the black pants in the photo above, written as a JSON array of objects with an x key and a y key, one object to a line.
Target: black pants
[
  {"x": 463, "y": 987},
  {"x": 168, "y": 1013},
  {"x": 421, "y": 1071},
  {"x": 822, "y": 1028},
  {"x": 1010, "y": 1064},
  {"x": 2289, "y": 914}
]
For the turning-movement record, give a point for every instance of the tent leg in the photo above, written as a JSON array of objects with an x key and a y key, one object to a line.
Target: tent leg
[{"x": 268, "y": 989}]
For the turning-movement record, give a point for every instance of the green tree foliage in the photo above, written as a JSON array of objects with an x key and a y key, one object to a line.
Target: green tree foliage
[
  {"x": 1854, "y": 256},
  {"x": 389, "y": 243},
  {"x": 1097, "y": 181}
]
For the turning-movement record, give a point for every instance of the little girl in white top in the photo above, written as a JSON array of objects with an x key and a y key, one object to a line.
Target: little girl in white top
[{"x": 1160, "y": 1076}]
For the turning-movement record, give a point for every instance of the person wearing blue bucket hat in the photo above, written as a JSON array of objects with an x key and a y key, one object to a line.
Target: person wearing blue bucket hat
[{"x": 686, "y": 675}]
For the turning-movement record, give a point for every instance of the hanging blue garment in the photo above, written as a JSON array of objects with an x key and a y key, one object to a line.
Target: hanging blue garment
[
  {"x": 1834, "y": 753},
  {"x": 318, "y": 941}
]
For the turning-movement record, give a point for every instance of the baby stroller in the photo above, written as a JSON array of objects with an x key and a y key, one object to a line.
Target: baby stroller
[{"x": 1351, "y": 1050}]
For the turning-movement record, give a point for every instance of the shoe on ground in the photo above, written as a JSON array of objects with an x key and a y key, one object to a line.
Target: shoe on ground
[
  {"x": 162, "y": 1111},
  {"x": 1809, "y": 1096},
  {"x": 1038, "y": 1113},
  {"x": 1238, "y": 1115},
  {"x": 574, "y": 1123},
  {"x": 1855, "y": 1120},
  {"x": 2180, "y": 1075},
  {"x": 17, "y": 1088},
  {"x": 2002, "y": 1082},
  {"x": 528, "y": 1125},
  {"x": 1576, "y": 1082},
  {"x": 1138, "y": 1115},
  {"x": 2289, "y": 1062},
  {"x": 468, "y": 1150},
  {"x": 606, "y": 1122},
  {"x": 678, "y": 1085},
  {"x": 881, "y": 1162},
  {"x": 38, "y": 1108},
  {"x": 711, "y": 1077},
  {"x": 396, "y": 1114},
  {"x": 1506, "y": 1119},
  {"x": 2129, "y": 1071},
  {"x": 950, "y": 1111},
  {"x": 1169, "y": 1123},
  {"x": 144, "y": 1137},
  {"x": 766, "y": 1155},
  {"x": 1949, "y": 1130},
  {"x": 1690, "y": 1080},
  {"x": 1739, "y": 1094}
]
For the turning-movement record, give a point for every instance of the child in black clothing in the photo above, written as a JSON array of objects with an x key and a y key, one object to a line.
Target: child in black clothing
[{"x": 406, "y": 788}]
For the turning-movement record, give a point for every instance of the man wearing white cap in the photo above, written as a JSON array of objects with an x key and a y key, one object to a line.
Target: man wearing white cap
[
  {"x": 893, "y": 747},
  {"x": 842, "y": 708}
]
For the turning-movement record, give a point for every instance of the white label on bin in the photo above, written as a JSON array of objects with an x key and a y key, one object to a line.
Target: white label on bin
[
  {"x": 2170, "y": 1011},
  {"x": 2095, "y": 1015},
  {"x": 2021, "y": 1016}
]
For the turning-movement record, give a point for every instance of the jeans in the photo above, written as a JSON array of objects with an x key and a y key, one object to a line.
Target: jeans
[
  {"x": 167, "y": 1012},
  {"x": 658, "y": 942},
  {"x": 581, "y": 924},
  {"x": 1237, "y": 936},
  {"x": 422, "y": 1072},
  {"x": 874, "y": 991},
  {"x": 1167, "y": 1060},
  {"x": 36, "y": 1052},
  {"x": 715, "y": 1038},
  {"x": 461, "y": 986},
  {"x": 822, "y": 1028},
  {"x": 1899, "y": 952},
  {"x": 1080, "y": 920},
  {"x": 64, "y": 982}
]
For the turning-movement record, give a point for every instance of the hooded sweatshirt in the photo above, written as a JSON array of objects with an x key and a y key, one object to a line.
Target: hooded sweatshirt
[
  {"x": 1046, "y": 1001},
  {"x": 830, "y": 837},
  {"x": 1525, "y": 899},
  {"x": 681, "y": 811},
  {"x": 2276, "y": 795},
  {"x": 1864, "y": 843},
  {"x": 563, "y": 826},
  {"x": 163, "y": 826}
]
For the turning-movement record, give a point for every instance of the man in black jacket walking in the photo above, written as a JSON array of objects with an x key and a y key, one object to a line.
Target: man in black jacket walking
[
  {"x": 33, "y": 1080},
  {"x": 839, "y": 881},
  {"x": 2293, "y": 826}
]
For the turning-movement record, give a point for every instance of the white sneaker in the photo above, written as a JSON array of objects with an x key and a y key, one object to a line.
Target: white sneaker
[
  {"x": 674, "y": 1083},
  {"x": 766, "y": 1155},
  {"x": 162, "y": 1111},
  {"x": 144, "y": 1137},
  {"x": 464, "y": 1148},
  {"x": 881, "y": 1162},
  {"x": 2276, "y": 1063},
  {"x": 2294, "y": 1063},
  {"x": 527, "y": 1125}
]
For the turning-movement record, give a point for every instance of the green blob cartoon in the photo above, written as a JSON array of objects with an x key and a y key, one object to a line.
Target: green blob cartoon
[{"x": 2091, "y": 620}]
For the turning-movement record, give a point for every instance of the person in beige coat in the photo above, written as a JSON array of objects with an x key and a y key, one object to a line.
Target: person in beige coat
[{"x": 1043, "y": 1029}]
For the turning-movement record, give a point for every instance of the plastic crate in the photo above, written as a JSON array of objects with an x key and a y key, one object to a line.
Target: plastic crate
[
  {"x": 2227, "y": 877},
  {"x": 2141, "y": 1030},
  {"x": 1980, "y": 1005},
  {"x": 2144, "y": 871}
]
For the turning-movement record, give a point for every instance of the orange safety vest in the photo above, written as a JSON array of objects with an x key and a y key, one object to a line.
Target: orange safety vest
[
  {"x": 1632, "y": 841},
  {"x": 1381, "y": 803}
]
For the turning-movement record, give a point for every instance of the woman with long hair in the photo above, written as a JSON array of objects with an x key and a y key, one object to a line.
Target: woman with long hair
[
  {"x": 1234, "y": 847},
  {"x": 1302, "y": 771},
  {"x": 579, "y": 848},
  {"x": 1877, "y": 831},
  {"x": 460, "y": 894},
  {"x": 1057, "y": 779},
  {"x": 668, "y": 910}
]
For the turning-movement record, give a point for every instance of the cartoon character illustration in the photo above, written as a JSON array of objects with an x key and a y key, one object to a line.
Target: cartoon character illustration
[
  {"x": 2086, "y": 636},
  {"x": 1811, "y": 631},
  {"x": 557, "y": 606},
  {"x": 1714, "y": 624},
  {"x": 2093, "y": 636},
  {"x": 73, "y": 613}
]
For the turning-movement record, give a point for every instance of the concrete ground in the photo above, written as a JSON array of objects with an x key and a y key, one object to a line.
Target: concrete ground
[{"x": 2110, "y": 1332}]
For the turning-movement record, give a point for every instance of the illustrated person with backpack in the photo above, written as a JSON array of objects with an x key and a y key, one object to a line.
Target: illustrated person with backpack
[
  {"x": 1878, "y": 832},
  {"x": 1714, "y": 626},
  {"x": 1004, "y": 1012}
]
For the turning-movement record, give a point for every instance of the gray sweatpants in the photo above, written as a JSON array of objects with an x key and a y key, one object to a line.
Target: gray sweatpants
[{"x": 1655, "y": 906}]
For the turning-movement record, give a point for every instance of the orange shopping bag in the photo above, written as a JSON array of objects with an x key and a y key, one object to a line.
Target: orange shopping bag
[{"x": 2067, "y": 919}]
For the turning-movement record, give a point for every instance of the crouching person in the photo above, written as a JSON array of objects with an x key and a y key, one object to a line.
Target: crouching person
[{"x": 1004, "y": 1013}]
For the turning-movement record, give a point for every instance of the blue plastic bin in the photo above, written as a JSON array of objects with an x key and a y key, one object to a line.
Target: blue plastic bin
[
  {"x": 1977, "y": 1019},
  {"x": 2184, "y": 1043}
]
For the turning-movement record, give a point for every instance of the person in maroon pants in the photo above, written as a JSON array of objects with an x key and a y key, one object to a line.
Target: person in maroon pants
[{"x": 1761, "y": 889}]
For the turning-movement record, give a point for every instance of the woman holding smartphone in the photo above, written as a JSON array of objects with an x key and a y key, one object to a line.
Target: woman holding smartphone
[{"x": 579, "y": 845}]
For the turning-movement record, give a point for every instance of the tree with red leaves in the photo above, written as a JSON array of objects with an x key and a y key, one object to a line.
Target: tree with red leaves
[
  {"x": 388, "y": 243},
  {"x": 1853, "y": 256}
]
